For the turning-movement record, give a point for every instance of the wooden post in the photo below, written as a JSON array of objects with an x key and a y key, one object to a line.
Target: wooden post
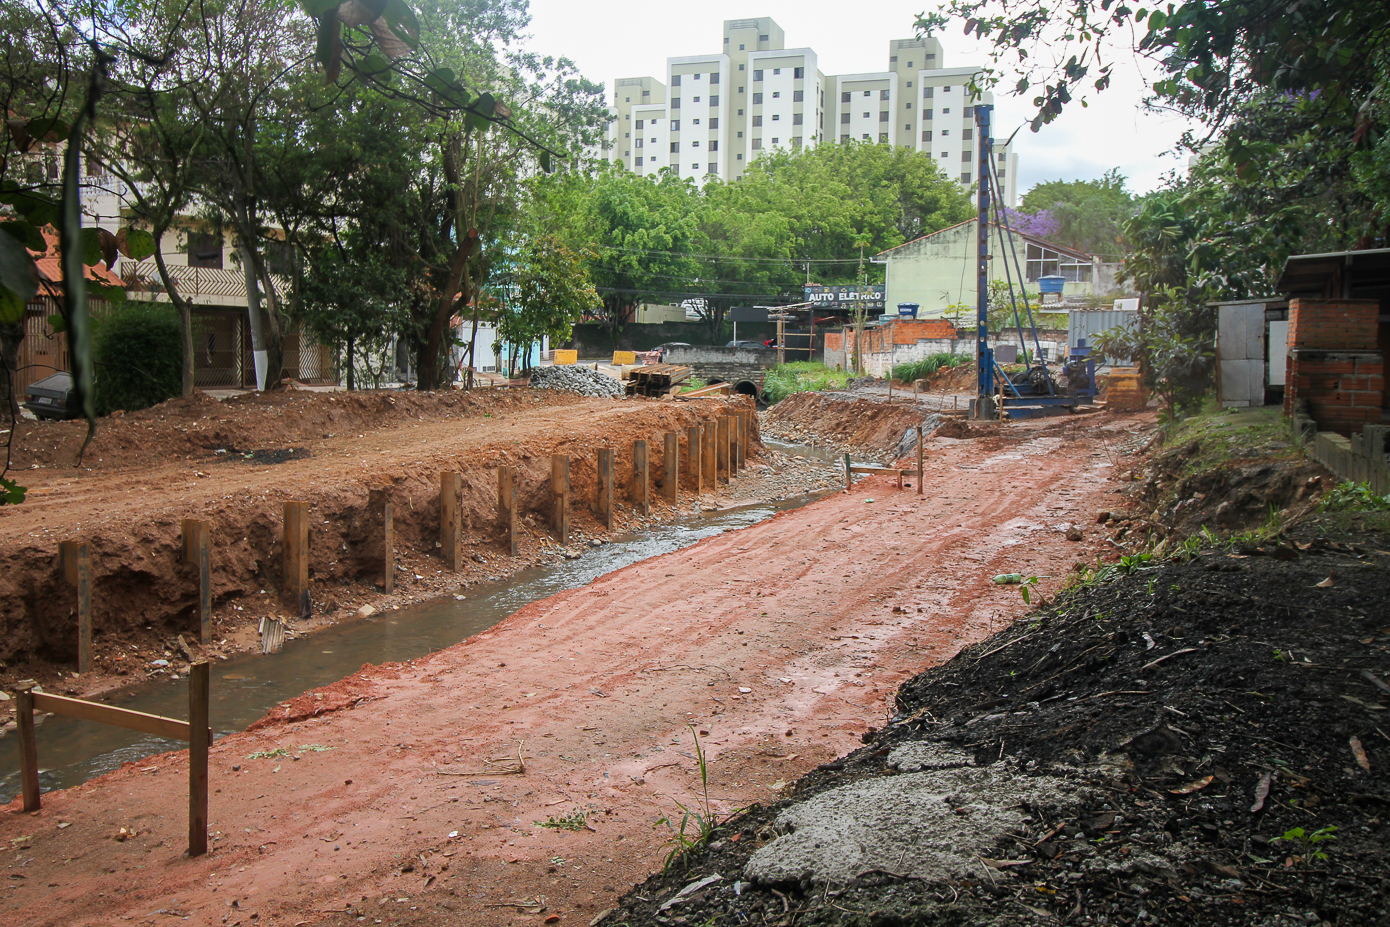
[
  {"x": 709, "y": 463},
  {"x": 641, "y": 486},
  {"x": 919, "y": 460},
  {"x": 296, "y": 569},
  {"x": 781, "y": 340},
  {"x": 672, "y": 452},
  {"x": 721, "y": 447},
  {"x": 450, "y": 518},
  {"x": 560, "y": 494},
  {"x": 506, "y": 507},
  {"x": 199, "y": 739},
  {"x": 76, "y": 557},
  {"x": 28, "y": 744},
  {"x": 197, "y": 551},
  {"x": 605, "y": 487},
  {"x": 388, "y": 543},
  {"x": 848, "y": 474},
  {"x": 694, "y": 458}
]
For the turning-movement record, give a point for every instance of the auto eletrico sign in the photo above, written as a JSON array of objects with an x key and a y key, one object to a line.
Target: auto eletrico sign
[{"x": 847, "y": 297}]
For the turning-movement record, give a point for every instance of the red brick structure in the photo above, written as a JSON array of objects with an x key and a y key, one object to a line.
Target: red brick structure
[{"x": 1333, "y": 364}]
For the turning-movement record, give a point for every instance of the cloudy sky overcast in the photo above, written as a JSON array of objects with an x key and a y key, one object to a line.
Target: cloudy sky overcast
[{"x": 628, "y": 38}]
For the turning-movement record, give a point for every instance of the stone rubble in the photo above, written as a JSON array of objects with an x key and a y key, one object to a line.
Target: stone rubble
[{"x": 574, "y": 378}]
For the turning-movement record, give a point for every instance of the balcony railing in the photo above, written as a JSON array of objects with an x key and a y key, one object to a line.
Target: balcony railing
[{"x": 208, "y": 282}]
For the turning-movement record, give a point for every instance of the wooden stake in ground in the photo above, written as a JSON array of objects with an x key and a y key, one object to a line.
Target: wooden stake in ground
[
  {"x": 197, "y": 550},
  {"x": 707, "y": 462},
  {"x": 450, "y": 518},
  {"x": 506, "y": 507},
  {"x": 919, "y": 460},
  {"x": 605, "y": 487},
  {"x": 199, "y": 740},
  {"x": 848, "y": 472},
  {"x": 722, "y": 447},
  {"x": 76, "y": 557},
  {"x": 28, "y": 744},
  {"x": 296, "y": 566},
  {"x": 641, "y": 499},
  {"x": 672, "y": 458},
  {"x": 388, "y": 544},
  {"x": 695, "y": 460},
  {"x": 560, "y": 496}
]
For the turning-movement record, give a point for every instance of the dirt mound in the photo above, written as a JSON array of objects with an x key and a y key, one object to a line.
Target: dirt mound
[
  {"x": 959, "y": 428},
  {"x": 1230, "y": 736},
  {"x": 856, "y": 425}
]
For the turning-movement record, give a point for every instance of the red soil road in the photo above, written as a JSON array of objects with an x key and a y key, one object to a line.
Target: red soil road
[{"x": 843, "y": 598}]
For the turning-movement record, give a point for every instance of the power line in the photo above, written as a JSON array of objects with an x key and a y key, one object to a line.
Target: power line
[{"x": 720, "y": 257}]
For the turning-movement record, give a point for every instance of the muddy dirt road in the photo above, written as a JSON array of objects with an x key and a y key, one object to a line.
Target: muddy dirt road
[{"x": 391, "y": 792}]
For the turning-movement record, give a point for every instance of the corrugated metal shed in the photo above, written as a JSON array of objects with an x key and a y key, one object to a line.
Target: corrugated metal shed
[{"x": 1087, "y": 323}]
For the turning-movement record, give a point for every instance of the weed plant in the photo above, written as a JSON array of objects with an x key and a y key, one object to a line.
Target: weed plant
[
  {"x": 928, "y": 366},
  {"x": 801, "y": 377},
  {"x": 696, "y": 822}
]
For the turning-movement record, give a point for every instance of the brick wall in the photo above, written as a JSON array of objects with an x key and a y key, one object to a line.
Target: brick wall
[
  {"x": 1334, "y": 324},
  {"x": 1333, "y": 364}
]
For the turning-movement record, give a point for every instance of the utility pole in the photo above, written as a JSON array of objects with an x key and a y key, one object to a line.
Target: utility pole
[{"x": 859, "y": 316}]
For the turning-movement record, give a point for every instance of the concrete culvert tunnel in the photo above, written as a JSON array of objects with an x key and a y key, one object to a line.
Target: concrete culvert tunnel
[{"x": 741, "y": 387}]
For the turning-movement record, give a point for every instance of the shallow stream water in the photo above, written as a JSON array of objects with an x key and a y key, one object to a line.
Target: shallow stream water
[{"x": 245, "y": 687}]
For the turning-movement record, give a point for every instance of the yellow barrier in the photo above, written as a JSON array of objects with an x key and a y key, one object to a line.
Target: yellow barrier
[
  {"x": 566, "y": 357},
  {"x": 624, "y": 357}
]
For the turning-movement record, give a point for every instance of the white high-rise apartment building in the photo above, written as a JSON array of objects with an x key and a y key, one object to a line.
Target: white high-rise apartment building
[{"x": 716, "y": 113}]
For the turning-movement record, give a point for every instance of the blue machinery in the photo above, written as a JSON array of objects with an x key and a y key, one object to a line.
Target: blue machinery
[{"x": 1034, "y": 390}]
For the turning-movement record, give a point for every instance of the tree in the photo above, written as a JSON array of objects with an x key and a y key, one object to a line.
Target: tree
[
  {"x": 551, "y": 292},
  {"x": 353, "y": 300},
  {"x": 1087, "y": 215}
]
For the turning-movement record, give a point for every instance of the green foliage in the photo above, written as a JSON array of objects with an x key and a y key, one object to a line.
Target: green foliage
[
  {"x": 1176, "y": 348},
  {"x": 1090, "y": 214},
  {"x": 552, "y": 292},
  {"x": 1353, "y": 497},
  {"x": 576, "y": 820},
  {"x": 137, "y": 352},
  {"x": 928, "y": 366},
  {"x": 696, "y": 824},
  {"x": 781, "y": 381},
  {"x": 1308, "y": 842}
]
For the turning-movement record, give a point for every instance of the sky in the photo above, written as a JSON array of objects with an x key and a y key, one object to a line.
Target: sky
[{"x": 627, "y": 38}]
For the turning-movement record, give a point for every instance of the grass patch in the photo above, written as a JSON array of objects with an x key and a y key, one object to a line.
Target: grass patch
[
  {"x": 801, "y": 377},
  {"x": 928, "y": 366},
  {"x": 576, "y": 820}
]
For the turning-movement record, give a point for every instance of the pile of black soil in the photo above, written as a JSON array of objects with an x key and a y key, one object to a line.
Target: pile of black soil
[{"x": 1225, "y": 716}]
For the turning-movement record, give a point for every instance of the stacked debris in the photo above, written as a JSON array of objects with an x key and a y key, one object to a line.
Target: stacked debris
[
  {"x": 657, "y": 379},
  {"x": 572, "y": 378}
]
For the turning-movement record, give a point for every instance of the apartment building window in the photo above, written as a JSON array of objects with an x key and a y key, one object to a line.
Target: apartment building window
[
  {"x": 883, "y": 117},
  {"x": 844, "y": 119},
  {"x": 713, "y": 168},
  {"x": 926, "y": 135},
  {"x": 696, "y": 76},
  {"x": 675, "y": 80},
  {"x": 675, "y": 102},
  {"x": 694, "y": 122},
  {"x": 883, "y": 136},
  {"x": 967, "y": 134},
  {"x": 653, "y": 141},
  {"x": 646, "y": 93},
  {"x": 695, "y": 144},
  {"x": 866, "y": 136},
  {"x": 946, "y": 89},
  {"x": 931, "y": 56},
  {"x": 675, "y": 125},
  {"x": 740, "y": 90},
  {"x": 762, "y": 38},
  {"x": 909, "y": 64},
  {"x": 638, "y": 143},
  {"x": 740, "y": 112},
  {"x": 740, "y": 48},
  {"x": 945, "y": 110},
  {"x": 926, "y": 93},
  {"x": 627, "y": 99},
  {"x": 628, "y": 117},
  {"x": 740, "y": 67},
  {"x": 945, "y": 133},
  {"x": 798, "y": 96},
  {"x": 868, "y": 93},
  {"x": 1001, "y": 175},
  {"x": 907, "y": 105},
  {"x": 639, "y": 160},
  {"x": 866, "y": 115},
  {"x": 883, "y": 94},
  {"x": 776, "y": 140},
  {"x": 798, "y": 73},
  {"x": 204, "y": 249},
  {"x": 968, "y": 112},
  {"x": 757, "y": 144},
  {"x": 797, "y": 119},
  {"x": 944, "y": 154},
  {"x": 1003, "y": 158},
  {"x": 776, "y": 117},
  {"x": 907, "y": 127},
  {"x": 776, "y": 94},
  {"x": 714, "y": 123},
  {"x": 892, "y": 59},
  {"x": 909, "y": 84},
  {"x": 965, "y": 177},
  {"x": 714, "y": 77},
  {"x": 714, "y": 145},
  {"x": 627, "y": 135},
  {"x": 926, "y": 115},
  {"x": 697, "y": 99},
  {"x": 796, "y": 142},
  {"x": 738, "y": 157},
  {"x": 844, "y": 139},
  {"x": 776, "y": 70},
  {"x": 675, "y": 147},
  {"x": 757, "y": 120},
  {"x": 757, "y": 75},
  {"x": 965, "y": 156},
  {"x": 844, "y": 97},
  {"x": 695, "y": 167},
  {"x": 757, "y": 98},
  {"x": 639, "y": 124},
  {"x": 626, "y": 153},
  {"x": 740, "y": 135}
]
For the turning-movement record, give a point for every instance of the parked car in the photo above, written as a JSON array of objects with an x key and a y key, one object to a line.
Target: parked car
[
  {"x": 744, "y": 344},
  {"x": 53, "y": 397},
  {"x": 658, "y": 354}
]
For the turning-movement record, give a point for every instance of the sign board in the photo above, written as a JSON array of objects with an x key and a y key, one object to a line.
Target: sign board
[
  {"x": 1127, "y": 305},
  {"x": 846, "y": 298},
  {"x": 747, "y": 314}
]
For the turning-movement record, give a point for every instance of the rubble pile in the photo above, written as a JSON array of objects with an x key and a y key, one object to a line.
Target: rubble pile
[{"x": 572, "y": 378}]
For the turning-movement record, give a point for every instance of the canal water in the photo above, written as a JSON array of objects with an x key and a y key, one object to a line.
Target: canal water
[{"x": 245, "y": 687}]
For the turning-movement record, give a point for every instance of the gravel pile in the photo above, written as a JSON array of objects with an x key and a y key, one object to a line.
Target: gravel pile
[{"x": 572, "y": 378}]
